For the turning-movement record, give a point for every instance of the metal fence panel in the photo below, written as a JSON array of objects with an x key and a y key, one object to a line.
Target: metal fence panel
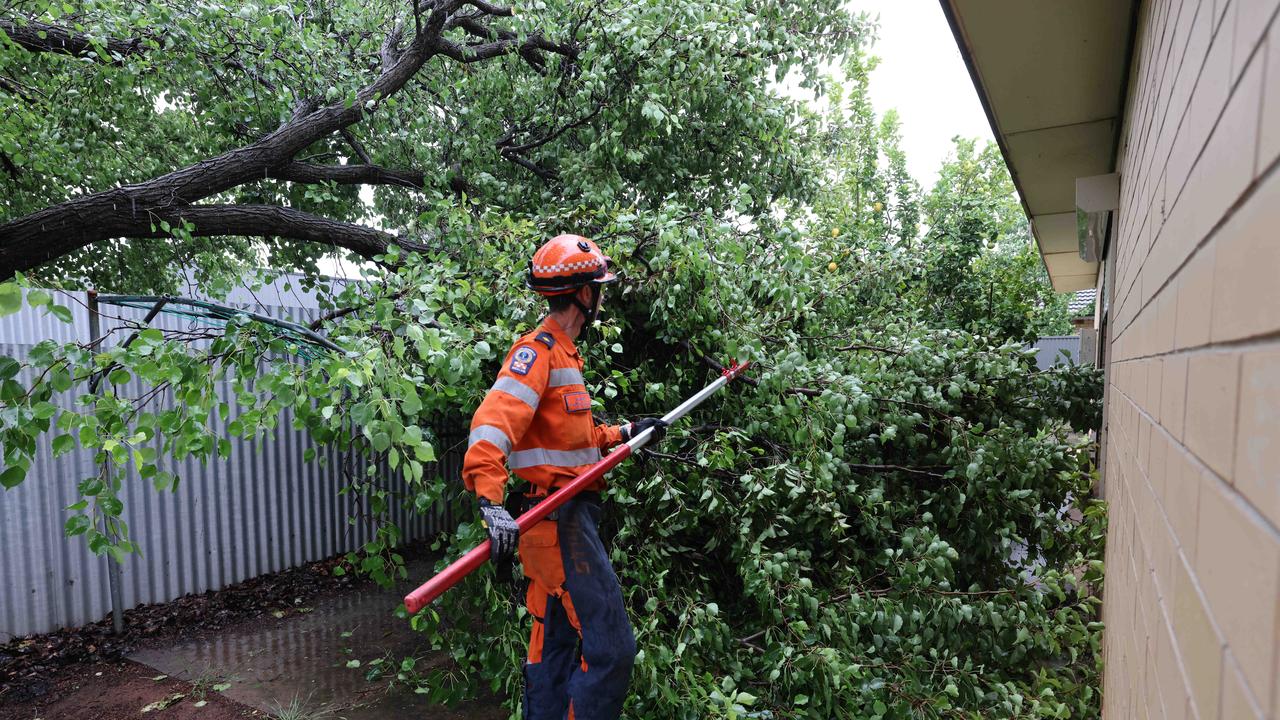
[
  {"x": 262, "y": 510},
  {"x": 1057, "y": 350}
]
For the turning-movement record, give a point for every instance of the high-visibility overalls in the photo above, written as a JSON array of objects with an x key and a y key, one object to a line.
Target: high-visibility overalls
[{"x": 536, "y": 420}]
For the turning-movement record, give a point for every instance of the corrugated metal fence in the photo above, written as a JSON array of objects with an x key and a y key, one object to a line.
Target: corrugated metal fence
[
  {"x": 1057, "y": 350},
  {"x": 262, "y": 510}
]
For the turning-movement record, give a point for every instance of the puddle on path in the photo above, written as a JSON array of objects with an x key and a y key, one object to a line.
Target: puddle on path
[{"x": 272, "y": 662}]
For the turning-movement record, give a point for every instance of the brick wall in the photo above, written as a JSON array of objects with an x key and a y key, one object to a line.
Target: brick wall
[{"x": 1193, "y": 403}]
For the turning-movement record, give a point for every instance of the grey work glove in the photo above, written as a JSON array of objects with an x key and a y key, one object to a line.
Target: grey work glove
[
  {"x": 504, "y": 534},
  {"x": 633, "y": 429}
]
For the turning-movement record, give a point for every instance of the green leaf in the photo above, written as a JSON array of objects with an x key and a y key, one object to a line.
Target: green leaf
[
  {"x": 10, "y": 298},
  {"x": 61, "y": 312},
  {"x": 111, "y": 506},
  {"x": 63, "y": 444},
  {"x": 76, "y": 525},
  {"x": 12, "y": 476},
  {"x": 8, "y": 367}
]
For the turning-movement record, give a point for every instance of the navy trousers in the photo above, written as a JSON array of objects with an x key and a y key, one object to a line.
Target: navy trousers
[{"x": 582, "y": 648}]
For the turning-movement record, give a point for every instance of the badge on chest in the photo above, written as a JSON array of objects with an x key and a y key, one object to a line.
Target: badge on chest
[{"x": 577, "y": 402}]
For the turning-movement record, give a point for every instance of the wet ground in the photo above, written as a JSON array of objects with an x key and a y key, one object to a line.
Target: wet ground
[{"x": 307, "y": 660}]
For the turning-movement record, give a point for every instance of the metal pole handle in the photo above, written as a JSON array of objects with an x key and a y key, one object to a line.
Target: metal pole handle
[{"x": 474, "y": 558}]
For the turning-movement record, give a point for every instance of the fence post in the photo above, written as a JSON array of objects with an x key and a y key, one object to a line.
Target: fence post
[{"x": 113, "y": 567}]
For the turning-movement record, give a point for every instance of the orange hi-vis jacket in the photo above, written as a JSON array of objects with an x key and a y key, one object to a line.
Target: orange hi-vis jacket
[{"x": 536, "y": 419}]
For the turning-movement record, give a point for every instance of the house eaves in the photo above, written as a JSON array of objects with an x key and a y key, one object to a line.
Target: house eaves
[{"x": 1051, "y": 75}]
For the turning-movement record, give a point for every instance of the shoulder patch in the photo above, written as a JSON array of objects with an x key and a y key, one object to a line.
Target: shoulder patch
[
  {"x": 545, "y": 338},
  {"x": 523, "y": 359}
]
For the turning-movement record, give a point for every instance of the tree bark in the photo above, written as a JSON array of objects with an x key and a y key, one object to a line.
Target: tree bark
[
  {"x": 272, "y": 220},
  {"x": 63, "y": 42},
  {"x": 58, "y": 230},
  {"x": 349, "y": 175}
]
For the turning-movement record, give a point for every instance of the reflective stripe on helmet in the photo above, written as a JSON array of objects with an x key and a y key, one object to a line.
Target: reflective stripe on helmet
[
  {"x": 560, "y": 377},
  {"x": 492, "y": 434},
  {"x": 567, "y": 262},
  {"x": 557, "y": 458},
  {"x": 517, "y": 389}
]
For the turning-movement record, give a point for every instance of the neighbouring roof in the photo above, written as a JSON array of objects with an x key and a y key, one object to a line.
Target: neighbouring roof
[
  {"x": 1052, "y": 77},
  {"x": 1081, "y": 300}
]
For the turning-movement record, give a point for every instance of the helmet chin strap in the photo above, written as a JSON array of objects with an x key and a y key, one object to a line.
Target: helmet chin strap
[{"x": 588, "y": 313}]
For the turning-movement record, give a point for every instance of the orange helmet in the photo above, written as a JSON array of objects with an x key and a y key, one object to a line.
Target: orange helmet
[{"x": 565, "y": 263}]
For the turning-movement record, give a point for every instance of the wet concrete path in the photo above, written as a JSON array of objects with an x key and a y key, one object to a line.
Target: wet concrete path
[{"x": 302, "y": 659}]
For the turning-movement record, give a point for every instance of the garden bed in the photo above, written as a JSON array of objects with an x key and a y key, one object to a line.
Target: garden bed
[
  {"x": 35, "y": 670},
  {"x": 124, "y": 689}
]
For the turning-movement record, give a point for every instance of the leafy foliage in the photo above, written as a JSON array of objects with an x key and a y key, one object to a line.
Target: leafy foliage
[
  {"x": 1001, "y": 289},
  {"x": 891, "y": 520},
  {"x": 652, "y": 99}
]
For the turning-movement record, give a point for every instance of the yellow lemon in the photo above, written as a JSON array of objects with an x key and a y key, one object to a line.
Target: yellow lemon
[
  {"x": 878, "y": 207},
  {"x": 835, "y": 232},
  {"x": 832, "y": 267}
]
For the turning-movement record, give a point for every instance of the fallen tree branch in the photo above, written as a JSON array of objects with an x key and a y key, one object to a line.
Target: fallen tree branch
[
  {"x": 872, "y": 348},
  {"x": 125, "y": 211},
  {"x": 356, "y": 146},
  {"x": 271, "y": 221},
  {"x": 348, "y": 175},
  {"x": 41, "y": 37},
  {"x": 900, "y": 468},
  {"x": 711, "y": 363}
]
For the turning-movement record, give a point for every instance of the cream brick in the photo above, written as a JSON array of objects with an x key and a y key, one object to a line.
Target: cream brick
[
  {"x": 1226, "y": 168},
  {"x": 1246, "y": 294},
  {"x": 1195, "y": 300},
  {"x": 1238, "y": 567},
  {"x": 1237, "y": 701},
  {"x": 1269, "y": 138},
  {"x": 1155, "y": 375},
  {"x": 1156, "y": 211},
  {"x": 1151, "y": 682},
  {"x": 1275, "y": 683},
  {"x": 1173, "y": 682},
  {"x": 1212, "y": 88},
  {"x": 1144, "y": 445},
  {"x": 1213, "y": 381},
  {"x": 1166, "y": 320},
  {"x": 1198, "y": 34},
  {"x": 1182, "y": 501},
  {"x": 1159, "y": 458},
  {"x": 1224, "y": 13},
  {"x": 1150, "y": 521},
  {"x": 1173, "y": 394},
  {"x": 1177, "y": 90},
  {"x": 1257, "y": 469},
  {"x": 1199, "y": 645},
  {"x": 1137, "y": 385},
  {"x": 1164, "y": 555},
  {"x": 1251, "y": 22}
]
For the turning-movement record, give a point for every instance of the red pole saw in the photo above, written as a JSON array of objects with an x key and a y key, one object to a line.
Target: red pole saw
[{"x": 465, "y": 565}]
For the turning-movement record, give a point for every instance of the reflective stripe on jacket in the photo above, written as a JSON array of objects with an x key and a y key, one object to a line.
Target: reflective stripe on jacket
[{"x": 536, "y": 419}]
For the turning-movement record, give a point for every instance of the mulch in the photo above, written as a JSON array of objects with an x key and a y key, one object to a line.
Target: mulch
[{"x": 34, "y": 669}]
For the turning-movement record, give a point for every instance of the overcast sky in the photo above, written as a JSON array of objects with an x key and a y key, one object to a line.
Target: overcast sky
[{"x": 922, "y": 74}]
